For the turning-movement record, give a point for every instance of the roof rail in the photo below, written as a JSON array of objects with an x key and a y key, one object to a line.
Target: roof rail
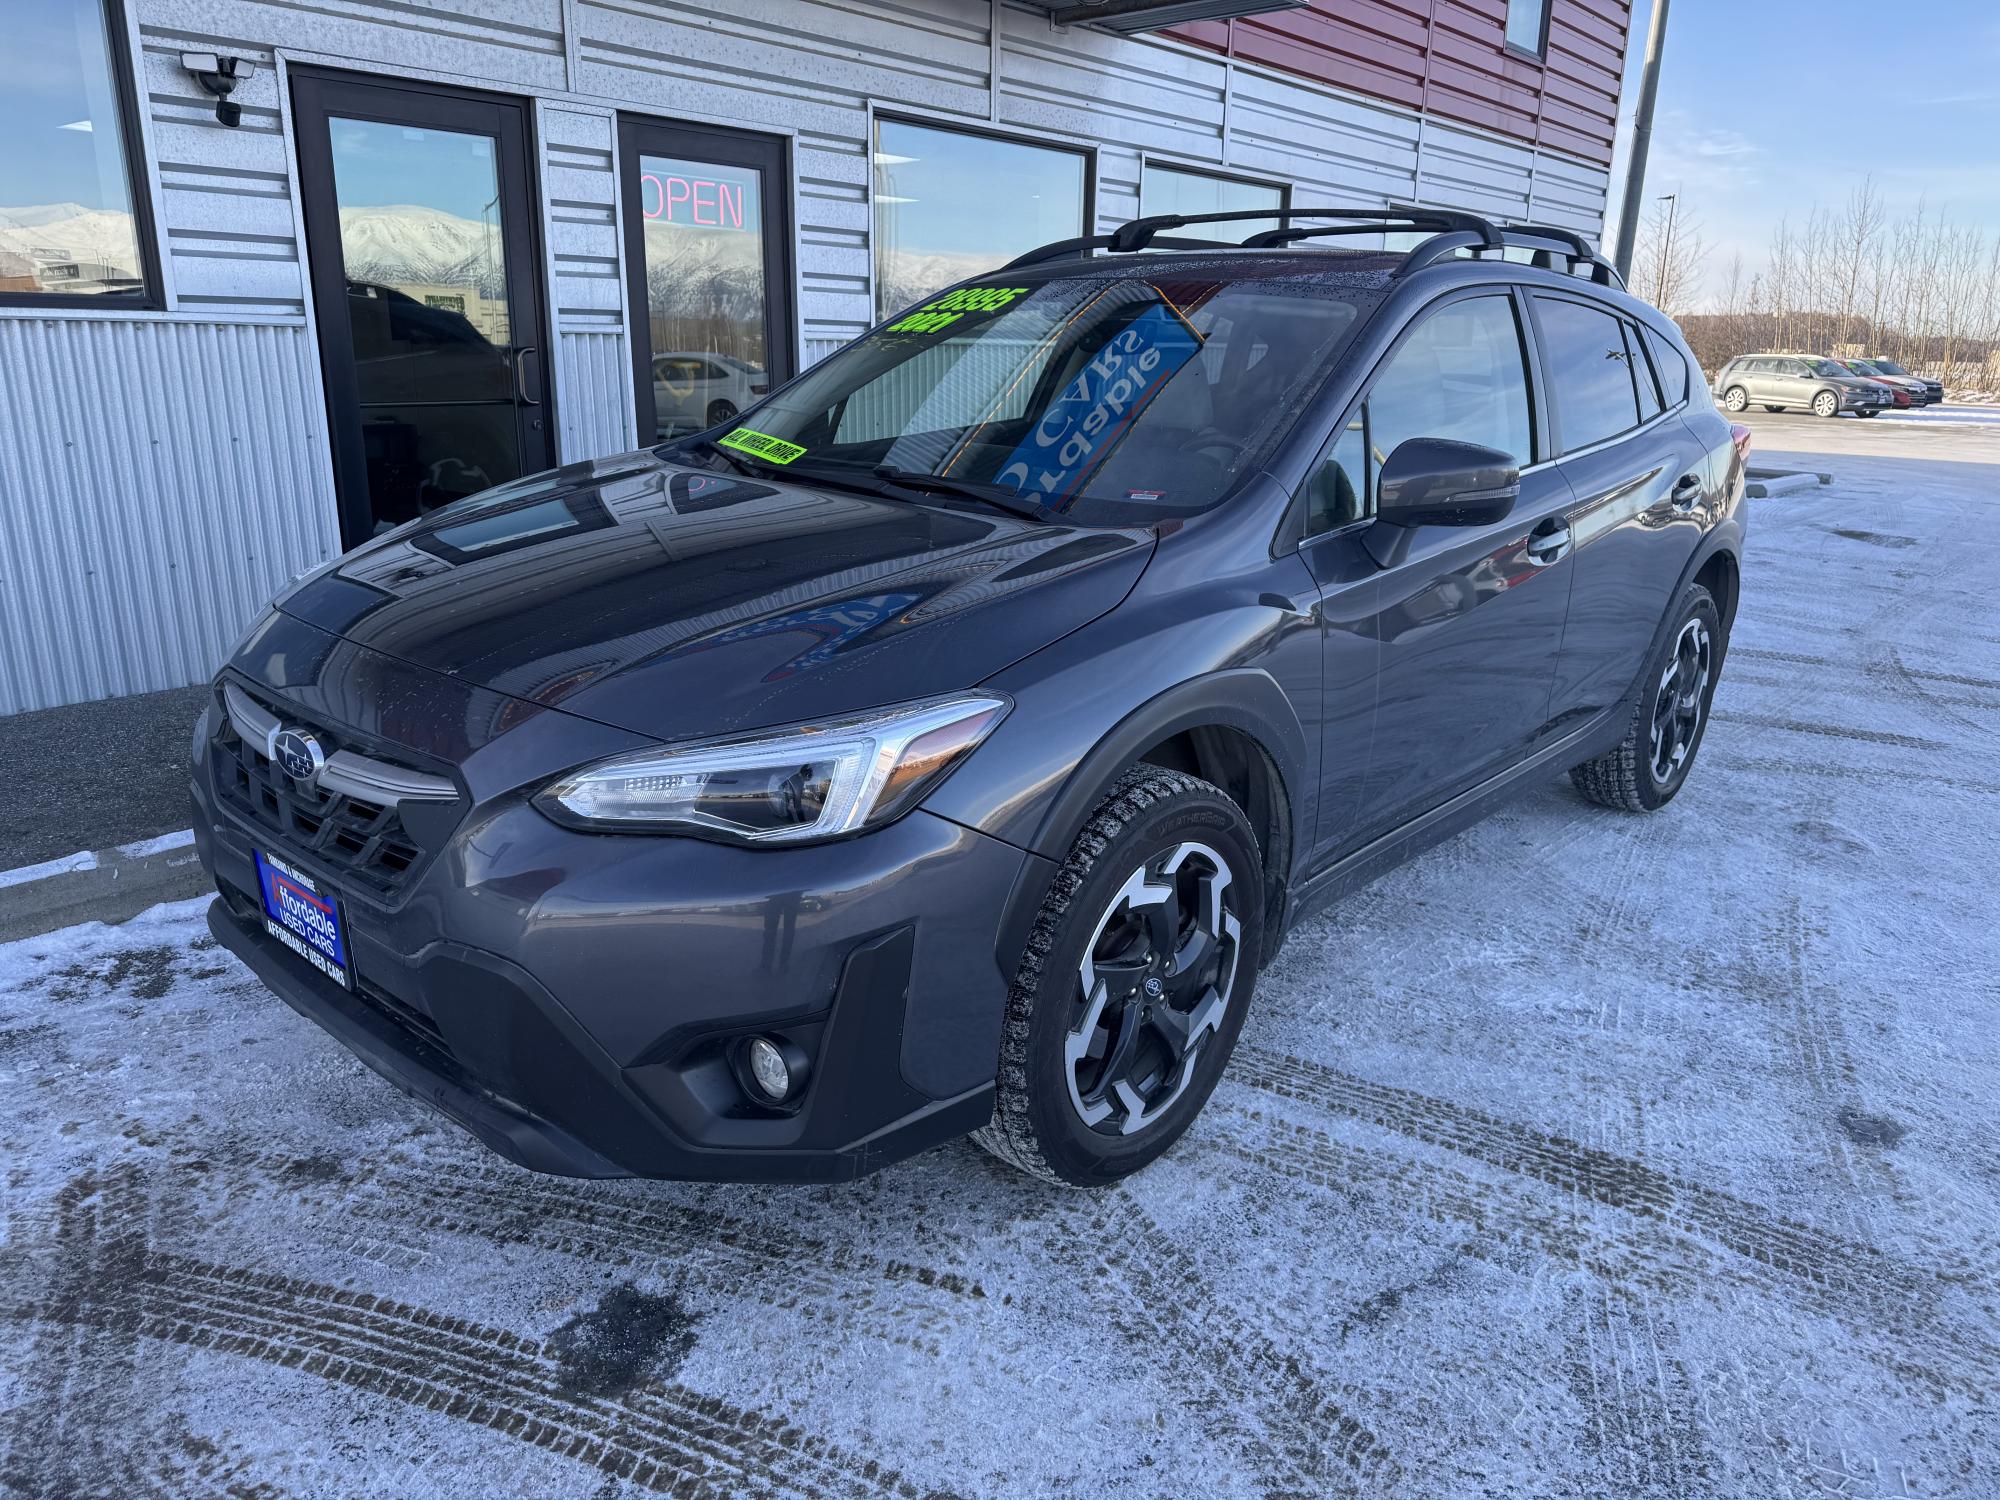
[
  {"x": 1142, "y": 234},
  {"x": 1451, "y": 231}
]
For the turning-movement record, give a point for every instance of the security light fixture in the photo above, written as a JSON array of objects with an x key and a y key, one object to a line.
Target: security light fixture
[{"x": 219, "y": 74}]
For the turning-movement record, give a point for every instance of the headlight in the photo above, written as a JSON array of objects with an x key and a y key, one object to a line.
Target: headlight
[{"x": 815, "y": 781}]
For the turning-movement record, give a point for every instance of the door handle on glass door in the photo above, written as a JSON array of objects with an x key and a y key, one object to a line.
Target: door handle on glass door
[
  {"x": 521, "y": 395},
  {"x": 1548, "y": 542}
]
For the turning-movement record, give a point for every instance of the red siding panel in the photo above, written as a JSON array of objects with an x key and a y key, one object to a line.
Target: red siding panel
[{"x": 1451, "y": 57}]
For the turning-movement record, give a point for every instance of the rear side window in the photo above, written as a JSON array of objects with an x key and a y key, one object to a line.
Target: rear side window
[
  {"x": 1672, "y": 366},
  {"x": 1590, "y": 372},
  {"x": 1650, "y": 405}
]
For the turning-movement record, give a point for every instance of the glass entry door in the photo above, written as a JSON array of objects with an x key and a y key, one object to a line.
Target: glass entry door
[
  {"x": 419, "y": 231},
  {"x": 708, "y": 256}
]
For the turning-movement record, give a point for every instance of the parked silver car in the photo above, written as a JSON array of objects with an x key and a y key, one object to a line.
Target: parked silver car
[
  {"x": 692, "y": 391},
  {"x": 1778, "y": 381}
]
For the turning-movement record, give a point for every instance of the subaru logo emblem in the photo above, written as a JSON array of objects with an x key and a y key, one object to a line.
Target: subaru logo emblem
[{"x": 298, "y": 753}]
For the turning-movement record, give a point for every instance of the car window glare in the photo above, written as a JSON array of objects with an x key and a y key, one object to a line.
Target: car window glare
[
  {"x": 1590, "y": 370},
  {"x": 1461, "y": 374},
  {"x": 1113, "y": 401}
]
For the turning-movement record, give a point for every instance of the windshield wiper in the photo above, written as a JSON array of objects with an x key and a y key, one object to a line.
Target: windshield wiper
[{"x": 996, "y": 495}]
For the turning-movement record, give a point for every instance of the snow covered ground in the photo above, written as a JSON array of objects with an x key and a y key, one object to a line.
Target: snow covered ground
[{"x": 1590, "y": 1155}]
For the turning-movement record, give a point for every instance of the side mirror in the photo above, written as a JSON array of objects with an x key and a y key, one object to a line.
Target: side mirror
[{"x": 1439, "y": 482}]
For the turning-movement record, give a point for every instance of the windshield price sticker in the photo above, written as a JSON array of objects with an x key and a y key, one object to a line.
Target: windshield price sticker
[
  {"x": 942, "y": 312},
  {"x": 762, "y": 445},
  {"x": 1096, "y": 409}
]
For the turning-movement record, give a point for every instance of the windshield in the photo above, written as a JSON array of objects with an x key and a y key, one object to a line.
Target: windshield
[
  {"x": 1109, "y": 401},
  {"x": 1826, "y": 367},
  {"x": 1890, "y": 367}
]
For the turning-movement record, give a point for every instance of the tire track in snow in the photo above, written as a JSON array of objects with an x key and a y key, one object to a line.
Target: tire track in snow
[
  {"x": 666, "y": 1439},
  {"x": 1283, "y": 1420},
  {"x": 1852, "y": 1280}
]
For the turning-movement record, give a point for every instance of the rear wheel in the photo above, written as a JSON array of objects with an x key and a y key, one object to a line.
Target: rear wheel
[
  {"x": 1826, "y": 404},
  {"x": 1134, "y": 985},
  {"x": 1651, "y": 764},
  {"x": 1736, "y": 398}
]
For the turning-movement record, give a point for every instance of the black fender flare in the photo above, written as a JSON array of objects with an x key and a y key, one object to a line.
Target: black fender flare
[
  {"x": 1241, "y": 698},
  {"x": 1724, "y": 539}
]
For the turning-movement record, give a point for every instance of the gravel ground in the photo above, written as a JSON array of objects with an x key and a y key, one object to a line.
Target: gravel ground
[{"x": 1588, "y": 1155}]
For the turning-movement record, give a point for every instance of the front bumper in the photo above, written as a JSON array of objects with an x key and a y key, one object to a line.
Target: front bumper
[{"x": 574, "y": 999}]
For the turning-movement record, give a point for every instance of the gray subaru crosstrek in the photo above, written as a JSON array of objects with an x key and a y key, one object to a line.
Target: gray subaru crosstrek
[{"x": 943, "y": 744}]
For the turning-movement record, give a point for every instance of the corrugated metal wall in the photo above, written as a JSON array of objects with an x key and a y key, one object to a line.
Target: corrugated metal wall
[
  {"x": 162, "y": 479},
  {"x": 812, "y": 69}
]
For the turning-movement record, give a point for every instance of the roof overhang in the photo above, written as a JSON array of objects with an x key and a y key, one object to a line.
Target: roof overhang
[{"x": 1151, "y": 15}]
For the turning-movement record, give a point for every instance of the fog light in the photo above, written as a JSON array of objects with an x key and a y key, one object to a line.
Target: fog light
[{"x": 769, "y": 1070}]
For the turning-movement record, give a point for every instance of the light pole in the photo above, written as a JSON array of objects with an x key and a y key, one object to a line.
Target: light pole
[
  {"x": 1673, "y": 202},
  {"x": 1642, "y": 139}
]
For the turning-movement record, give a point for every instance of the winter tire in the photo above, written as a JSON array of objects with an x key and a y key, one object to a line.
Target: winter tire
[
  {"x": 1736, "y": 398},
  {"x": 1651, "y": 764},
  {"x": 1135, "y": 982},
  {"x": 1826, "y": 404}
]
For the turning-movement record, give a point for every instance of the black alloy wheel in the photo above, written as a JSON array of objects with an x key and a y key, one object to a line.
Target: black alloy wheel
[
  {"x": 1152, "y": 989},
  {"x": 1681, "y": 700},
  {"x": 1137, "y": 977}
]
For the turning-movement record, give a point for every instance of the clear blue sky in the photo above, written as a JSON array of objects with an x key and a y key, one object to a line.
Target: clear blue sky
[{"x": 1766, "y": 105}]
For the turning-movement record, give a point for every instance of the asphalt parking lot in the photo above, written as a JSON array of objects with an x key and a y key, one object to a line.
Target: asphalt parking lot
[{"x": 1589, "y": 1155}]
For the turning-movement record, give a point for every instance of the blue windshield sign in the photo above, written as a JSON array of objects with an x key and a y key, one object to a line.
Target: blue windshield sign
[{"x": 1096, "y": 409}]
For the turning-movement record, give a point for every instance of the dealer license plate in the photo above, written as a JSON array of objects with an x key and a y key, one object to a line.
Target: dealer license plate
[{"x": 304, "y": 916}]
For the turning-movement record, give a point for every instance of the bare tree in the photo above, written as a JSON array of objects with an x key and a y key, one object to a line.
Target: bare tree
[
  {"x": 1860, "y": 226},
  {"x": 1670, "y": 258}
]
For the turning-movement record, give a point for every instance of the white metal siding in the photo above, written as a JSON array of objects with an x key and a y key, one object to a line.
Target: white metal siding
[
  {"x": 161, "y": 480},
  {"x": 161, "y": 475}
]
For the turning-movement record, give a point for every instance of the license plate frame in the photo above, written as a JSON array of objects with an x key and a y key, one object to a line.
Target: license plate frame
[{"x": 303, "y": 915}]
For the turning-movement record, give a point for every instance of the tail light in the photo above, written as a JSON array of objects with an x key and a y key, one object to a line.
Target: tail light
[{"x": 1740, "y": 436}]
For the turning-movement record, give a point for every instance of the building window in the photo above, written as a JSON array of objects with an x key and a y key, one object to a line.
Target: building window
[
  {"x": 949, "y": 205},
  {"x": 1528, "y": 25},
  {"x": 1174, "y": 190},
  {"x": 70, "y": 221}
]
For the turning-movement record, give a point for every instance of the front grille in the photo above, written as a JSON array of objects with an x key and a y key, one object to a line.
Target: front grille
[{"x": 365, "y": 844}]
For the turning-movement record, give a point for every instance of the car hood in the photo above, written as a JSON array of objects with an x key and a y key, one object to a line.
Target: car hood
[{"x": 679, "y": 602}]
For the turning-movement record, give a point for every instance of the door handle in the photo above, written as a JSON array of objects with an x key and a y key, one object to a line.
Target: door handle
[
  {"x": 1686, "y": 490},
  {"x": 1549, "y": 542},
  {"x": 521, "y": 395}
]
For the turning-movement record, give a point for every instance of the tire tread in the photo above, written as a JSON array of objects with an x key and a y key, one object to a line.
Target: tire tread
[{"x": 1011, "y": 1135}]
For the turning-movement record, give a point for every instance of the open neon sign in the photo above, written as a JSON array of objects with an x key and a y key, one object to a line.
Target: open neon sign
[{"x": 706, "y": 201}]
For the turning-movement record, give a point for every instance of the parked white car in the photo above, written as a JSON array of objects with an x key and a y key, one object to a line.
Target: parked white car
[{"x": 694, "y": 391}]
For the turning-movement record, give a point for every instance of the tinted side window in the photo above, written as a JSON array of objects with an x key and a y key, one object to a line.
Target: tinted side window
[
  {"x": 1671, "y": 364},
  {"x": 1340, "y": 486},
  {"x": 1650, "y": 404},
  {"x": 1590, "y": 372},
  {"x": 1461, "y": 374}
]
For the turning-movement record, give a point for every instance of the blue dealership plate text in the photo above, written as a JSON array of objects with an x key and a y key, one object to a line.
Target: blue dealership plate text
[{"x": 303, "y": 917}]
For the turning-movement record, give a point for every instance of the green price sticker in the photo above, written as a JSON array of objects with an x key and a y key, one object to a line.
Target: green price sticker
[
  {"x": 762, "y": 445},
  {"x": 942, "y": 312}
]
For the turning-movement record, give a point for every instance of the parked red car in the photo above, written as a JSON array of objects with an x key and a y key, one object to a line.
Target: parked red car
[{"x": 1900, "y": 389}]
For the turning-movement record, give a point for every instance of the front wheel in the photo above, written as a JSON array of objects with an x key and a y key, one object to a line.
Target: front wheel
[
  {"x": 1736, "y": 398},
  {"x": 1826, "y": 404},
  {"x": 1651, "y": 764},
  {"x": 1774, "y": 408},
  {"x": 1136, "y": 979}
]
